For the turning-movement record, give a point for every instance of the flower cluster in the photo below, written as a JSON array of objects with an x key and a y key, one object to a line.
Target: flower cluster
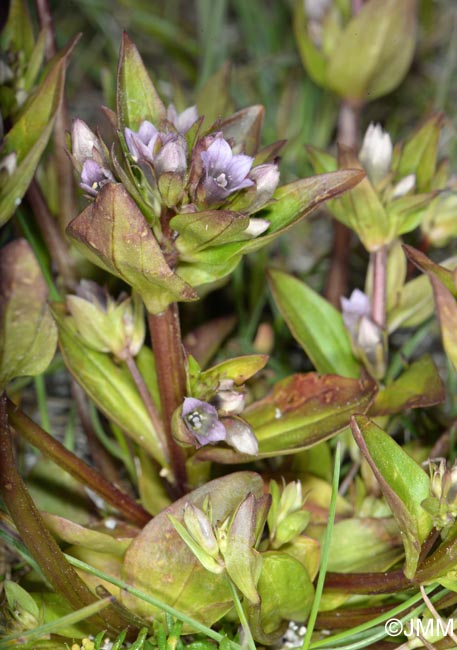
[{"x": 179, "y": 167}]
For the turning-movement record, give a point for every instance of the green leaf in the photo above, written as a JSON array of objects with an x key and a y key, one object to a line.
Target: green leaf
[
  {"x": 315, "y": 324},
  {"x": 361, "y": 208},
  {"x": 419, "y": 153},
  {"x": 18, "y": 32},
  {"x": 70, "y": 532},
  {"x": 301, "y": 411},
  {"x": 285, "y": 589},
  {"x": 419, "y": 386},
  {"x": 109, "y": 385},
  {"x": 377, "y": 30},
  {"x": 312, "y": 57},
  {"x": 28, "y": 335},
  {"x": 443, "y": 274},
  {"x": 159, "y": 563},
  {"x": 403, "y": 482},
  {"x": 30, "y": 134},
  {"x": 199, "y": 230},
  {"x": 364, "y": 544},
  {"x": 238, "y": 369},
  {"x": 137, "y": 98},
  {"x": 113, "y": 234},
  {"x": 414, "y": 306}
]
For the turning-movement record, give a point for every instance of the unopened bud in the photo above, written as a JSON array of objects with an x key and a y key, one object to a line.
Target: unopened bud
[
  {"x": 199, "y": 526},
  {"x": 376, "y": 153}
]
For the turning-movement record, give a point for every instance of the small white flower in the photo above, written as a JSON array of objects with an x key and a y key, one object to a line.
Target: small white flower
[
  {"x": 256, "y": 227},
  {"x": 376, "y": 153}
]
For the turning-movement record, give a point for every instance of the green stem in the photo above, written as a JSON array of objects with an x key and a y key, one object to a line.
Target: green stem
[
  {"x": 165, "y": 332},
  {"x": 378, "y": 303},
  {"x": 40, "y": 390},
  {"x": 36, "y": 536},
  {"x": 241, "y": 615},
  {"x": 152, "y": 601},
  {"x": 54, "y": 450},
  {"x": 325, "y": 550},
  {"x": 147, "y": 400}
]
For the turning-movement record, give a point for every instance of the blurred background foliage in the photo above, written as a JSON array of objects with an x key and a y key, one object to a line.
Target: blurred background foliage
[{"x": 185, "y": 42}]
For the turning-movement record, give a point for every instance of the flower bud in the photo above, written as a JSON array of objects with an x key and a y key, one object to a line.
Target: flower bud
[
  {"x": 199, "y": 526},
  {"x": 8, "y": 163},
  {"x": 141, "y": 143},
  {"x": 240, "y": 436},
  {"x": 256, "y": 227},
  {"x": 266, "y": 179},
  {"x": 172, "y": 157},
  {"x": 106, "y": 325},
  {"x": 84, "y": 143},
  {"x": 376, "y": 153},
  {"x": 228, "y": 401}
]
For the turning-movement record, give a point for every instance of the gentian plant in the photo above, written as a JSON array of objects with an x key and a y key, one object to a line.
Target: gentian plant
[{"x": 200, "y": 500}]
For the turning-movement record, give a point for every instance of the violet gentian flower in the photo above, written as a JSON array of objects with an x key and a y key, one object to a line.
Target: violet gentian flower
[
  {"x": 354, "y": 309},
  {"x": 225, "y": 172},
  {"x": 182, "y": 121},
  {"x": 141, "y": 143},
  {"x": 202, "y": 421},
  {"x": 94, "y": 177}
]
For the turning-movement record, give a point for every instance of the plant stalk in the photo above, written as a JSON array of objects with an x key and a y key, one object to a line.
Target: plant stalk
[
  {"x": 378, "y": 304},
  {"x": 54, "y": 238},
  {"x": 147, "y": 400},
  {"x": 337, "y": 280},
  {"x": 64, "y": 167},
  {"x": 165, "y": 332},
  {"x": 36, "y": 537},
  {"x": 54, "y": 450}
]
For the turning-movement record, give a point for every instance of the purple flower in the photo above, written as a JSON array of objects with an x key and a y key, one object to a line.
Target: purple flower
[
  {"x": 354, "y": 309},
  {"x": 182, "y": 121},
  {"x": 94, "y": 177},
  {"x": 141, "y": 143},
  {"x": 84, "y": 143},
  {"x": 225, "y": 172},
  {"x": 202, "y": 421}
]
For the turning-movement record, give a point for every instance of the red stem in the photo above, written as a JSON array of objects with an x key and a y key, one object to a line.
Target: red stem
[
  {"x": 165, "y": 332},
  {"x": 54, "y": 450},
  {"x": 36, "y": 537}
]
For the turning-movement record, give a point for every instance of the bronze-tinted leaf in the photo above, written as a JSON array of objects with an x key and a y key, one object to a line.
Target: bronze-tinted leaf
[
  {"x": 159, "y": 563},
  {"x": 113, "y": 233},
  {"x": 418, "y": 387},
  {"x": 425, "y": 264},
  {"x": 301, "y": 411}
]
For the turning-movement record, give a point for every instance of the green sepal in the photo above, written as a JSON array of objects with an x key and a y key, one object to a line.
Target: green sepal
[{"x": 137, "y": 98}]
